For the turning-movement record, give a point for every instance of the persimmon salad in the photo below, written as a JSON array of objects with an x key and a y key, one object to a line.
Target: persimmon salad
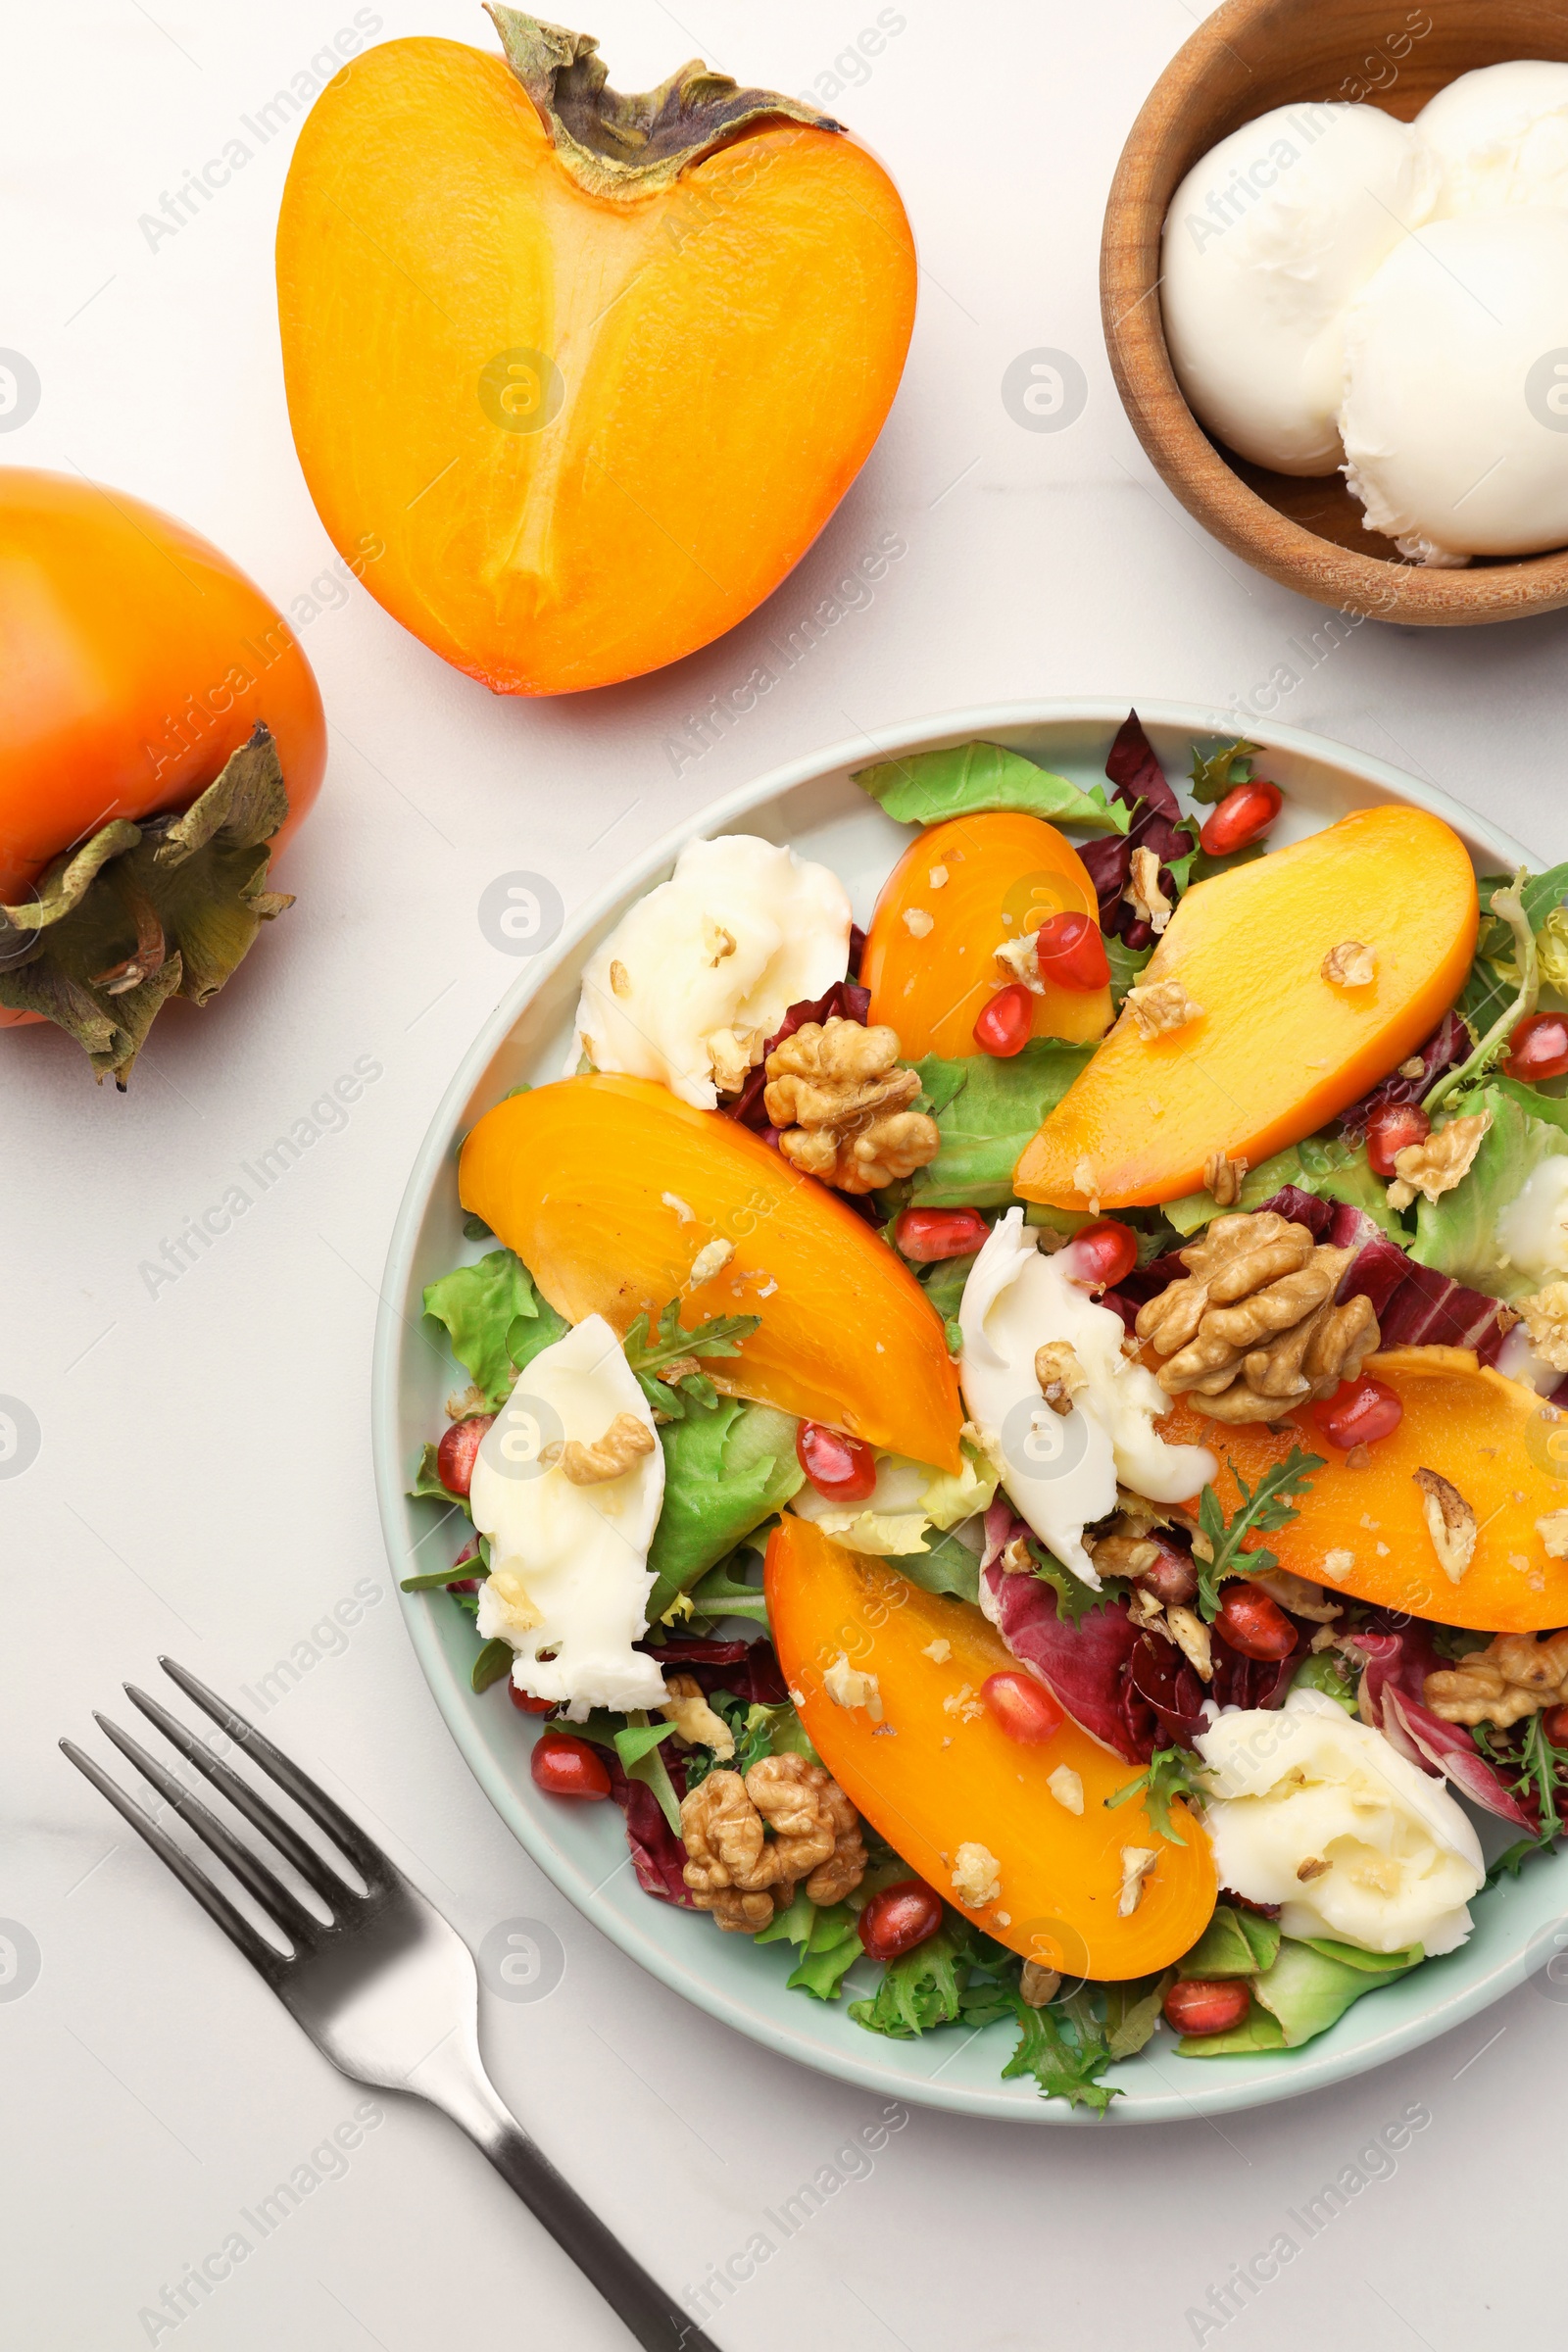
[{"x": 1121, "y": 1302}]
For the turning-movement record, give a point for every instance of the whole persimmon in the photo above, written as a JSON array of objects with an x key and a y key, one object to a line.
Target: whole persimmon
[
  {"x": 596, "y": 369},
  {"x": 161, "y": 736}
]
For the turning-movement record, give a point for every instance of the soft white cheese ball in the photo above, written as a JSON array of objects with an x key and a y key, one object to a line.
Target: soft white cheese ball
[
  {"x": 1500, "y": 135},
  {"x": 1452, "y": 410},
  {"x": 1267, "y": 241}
]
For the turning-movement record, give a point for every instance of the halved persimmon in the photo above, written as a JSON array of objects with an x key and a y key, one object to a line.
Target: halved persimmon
[
  {"x": 596, "y": 369},
  {"x": 950, "y": 1777},
  {"x": 1363, "y": 1530},
  {"x": 961, "y": 890},
  {"x": 1262, "y": 1044},
  {"x": 610, "y": 1189}
]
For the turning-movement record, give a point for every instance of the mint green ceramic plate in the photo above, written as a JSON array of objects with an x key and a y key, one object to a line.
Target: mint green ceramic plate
[{"x": 815, "y": 807}]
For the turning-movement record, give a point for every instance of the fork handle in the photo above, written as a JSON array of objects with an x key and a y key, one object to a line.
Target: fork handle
[{"x": 653, "y": 2317}]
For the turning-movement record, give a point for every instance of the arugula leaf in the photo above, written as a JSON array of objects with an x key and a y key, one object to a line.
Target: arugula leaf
[
  {"x": 1264, "y": 1509},
  {"x": 1168, "y": 1775},
  {"x": 926, "y": 787},
  {"x": 479, "y": 1304},
  {"x": 1132, "y": 2011},
  {"x": 635, "y": 1739},
  {"x": 947, "y": 1565},
  {"x": 1065, "y": 2048},
  {"x": 438, "y": 1577},
  {"x": 648, "y": 1350},
  {"x": 1213, "y": 778},
  {"x": 1541, "y": 1763},
  {"x": 492, "y": 1662},
  {"x": 727, "y": 1467},
  {"x": 995, "y": 1108}
]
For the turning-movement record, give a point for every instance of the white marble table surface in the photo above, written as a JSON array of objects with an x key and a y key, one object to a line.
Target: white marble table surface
[{"x": 204, "y": 1483}]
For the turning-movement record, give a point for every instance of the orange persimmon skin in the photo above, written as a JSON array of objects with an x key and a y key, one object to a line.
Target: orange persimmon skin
[
  {"x": 586, "y": 1180},
  {"x": 1501, "y": 1444},
  {"x": 952, "y": 1779},
  {"x": 138, "y": 658},
  {"x": 1006, "y": 873},
  {"x": 1278, "y": 1050},
  {"x": 723, "y": 354}
]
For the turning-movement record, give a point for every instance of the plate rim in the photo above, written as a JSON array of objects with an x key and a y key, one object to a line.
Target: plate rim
[{"x": 1001, "y": 2103}]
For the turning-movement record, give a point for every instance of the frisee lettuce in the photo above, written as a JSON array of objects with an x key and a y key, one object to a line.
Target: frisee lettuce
[
  {"x": 1231, "y": 764},
  {"x": 1170, "y": 1773}
]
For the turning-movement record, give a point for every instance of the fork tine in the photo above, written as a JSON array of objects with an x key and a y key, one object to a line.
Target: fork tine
[
  {"x": 313, "y": 1867},
  {"x": 283, "y": 1906},
  {"x": 218, "y": 1907},
  {"x": 376, "y": 1867}
]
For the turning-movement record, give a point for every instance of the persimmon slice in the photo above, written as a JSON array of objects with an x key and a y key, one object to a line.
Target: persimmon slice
[
  {"x": 949, "y": 1775},
  {"x": 1277, "y": 1048},
  {"x": 1362, "y": 1530},
  {"x": 589, "y": 395},
  {"x": 608, "y": 1188},
  {"x": 930, "y": 952}
]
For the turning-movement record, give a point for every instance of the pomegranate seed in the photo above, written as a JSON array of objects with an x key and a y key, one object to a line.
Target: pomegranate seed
[
  {"x": 1099, "y": 1256},
  {"x": 1242, "y": 817},
  {"x": 526, "y": 1701},
  {"x": 1172, "y": 1578},
  {"x": 1555, "y": 1725},
  {"x": 1004, "y": 1026},
  {"x": 1254, "y": 1624},
  {"x": 1208, "y": 2005},
  {"x": 838, "y": 1467},
  {"x": 1071, "y": 953},
  {"x": 929, "y": 1235},
  {"x": 1539, "y": 1047},
  {"x": 1023, "y": 1707},
  {"x": 566, "y": 1767},
  {"x": 894, "y": 1921},
  {"x": 1392, "y": 1130},
  {"x": 454, "y": 1456},
  {"x": 1358, "y": 1413}
]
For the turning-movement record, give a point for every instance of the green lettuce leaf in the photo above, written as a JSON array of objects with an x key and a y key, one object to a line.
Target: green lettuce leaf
[
  {"x": 1457, "y": 1234},
  {"x": 947, "y": 1565},
  {"x": 1256, "y": 2032},
  {"x": 1223, "y": 769},
  {"x": 1324, "y": 1165},
  {"x": 723, "y": 1592},
  {"x": 478, "y": 1304},
  {"x": 1126, "y": 964},
  {"x": 727, "y": 1467},
  {"x": 1235, "y": 1943},
  {"x": 995, "y": 1108},
  {"x": 927, "y": 787},
  {"x": 1310, "y": 1985}
]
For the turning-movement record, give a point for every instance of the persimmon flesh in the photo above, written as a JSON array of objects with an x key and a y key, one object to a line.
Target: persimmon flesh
[
  {"x": 1361, "y": 1530},
  {"x": 593, "y": 424},
  {"x": 952, "y": 1776},
  {"x": 608, "y": 1188},
  {"x": 1277, "y": 1047},
  {"x": 999, "y": 877}
]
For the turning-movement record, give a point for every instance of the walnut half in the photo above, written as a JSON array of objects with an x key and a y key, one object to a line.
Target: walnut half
[
  {"x": 737, "y": 1872},
  {"x": 1255, "y": 1329},
  {"x": 840, "y": 1101},
  {"x": 623, "y": 1443},
  {"x": 1514, "y": 1676}
]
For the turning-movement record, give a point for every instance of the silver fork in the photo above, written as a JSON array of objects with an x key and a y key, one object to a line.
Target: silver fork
[{"x": 387, "y": 1989}]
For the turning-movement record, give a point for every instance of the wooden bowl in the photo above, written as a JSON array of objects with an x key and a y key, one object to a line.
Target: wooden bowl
[{"x": 1249, "y": 57}]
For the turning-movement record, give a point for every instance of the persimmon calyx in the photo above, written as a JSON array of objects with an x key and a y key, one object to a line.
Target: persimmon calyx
[
  {"x": 142, "y": 912},
  {"x": 624, "y": 145}
]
